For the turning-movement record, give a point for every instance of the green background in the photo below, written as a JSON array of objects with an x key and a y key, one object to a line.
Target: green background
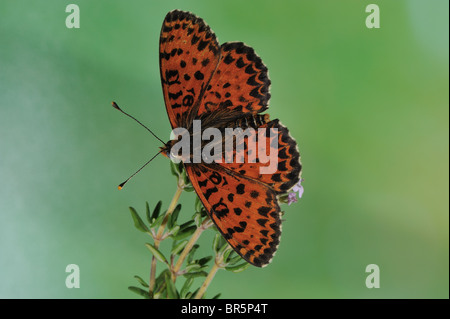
[{"x": 368, "y": 107}]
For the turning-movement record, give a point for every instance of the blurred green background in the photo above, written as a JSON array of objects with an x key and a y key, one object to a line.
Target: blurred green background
[{"x": 368, "y": 107}]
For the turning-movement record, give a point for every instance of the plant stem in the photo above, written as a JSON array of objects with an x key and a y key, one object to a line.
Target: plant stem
[
  {"x": 210, "y": 277},
  {"x": 157, "y": 239},
  {"x": 205, "y": 225}
]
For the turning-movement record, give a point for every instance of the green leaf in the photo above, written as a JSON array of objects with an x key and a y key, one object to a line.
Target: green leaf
[
  {"x": 157, "y": 221},
  {"x": 179, "y": 247},
  {"x": 217, "y": 242},
  {"x": 138, "y": 223},
  {"x": 194, "y": 293},
  {"x": 185, "y": 289},
  {"x": 174, "y": 231},
  {"x": 195, "y": 274},
  {"x": 174, "y": 169},
  {"x": 186, "y": 224},
  {"x": 189, "y": 189},
  {"x": 193, "y": 267},
  {"x": 186, "y": 180},
  {"x": 224, "y": 247},
  {"x": 173, "y": 218},
  {"x": 238, "y": 268},
  {"x": 172, "y": 292},
  {"x": 181, "y": 167},
  {"x": 197, "y": 219},
  {"x": 156, "y": 211},
  {"x": 158, "y": 255},
  {"x": 140, "y": 292},
  {"x": 203, "y": 261},
  {"x": 190, "y": 256},
  {"x": 203, "y": 212},
  {"x": 160, "y": 289},
  {"x": 216, "y": 296},
  {"x": 198, "y": 204},
  {"x": 233, "y": 260},
  {"x": 227, "y": 253},
  {"x": 141, "y": 281},
  {"x": 183, "y": 233},
  {"x": 147, "y": 213},
  {"x": 160, "y": 281},
  {"x": 232, "y": 255}
]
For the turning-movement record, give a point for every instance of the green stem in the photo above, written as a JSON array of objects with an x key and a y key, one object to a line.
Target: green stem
[
  {"x": 207, "y": 281},
  {"x": 205, "y": 225},
  {"x": 217, "y": 265}
]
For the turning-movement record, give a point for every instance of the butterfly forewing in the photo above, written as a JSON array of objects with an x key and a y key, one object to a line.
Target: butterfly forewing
[{"x": 188, "y": 56}]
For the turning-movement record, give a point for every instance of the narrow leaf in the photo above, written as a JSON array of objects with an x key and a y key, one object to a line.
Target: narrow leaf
[
  {"x": 186, "y": 224},
  {"x": 186, "y": 179},
  {"x": 195, "y": 274},
  {"x": 156, "y": 210},
  {"x": 171, "y": 290},
  {"x": 174, "y": 169},
  {"x": 140, "y": 292},
  {"x": 194, "y": 293},
  {"x": 138, "y": 223},
  {"x": 190, "y": 256},
  {"x": 198, "y": 219},
  {"x": 173, "y": 218},
  {"x": 224, "y": 247},
  {"x": 203, "y": 212},
  {"x": 157, "y": 221},
  {"x": 160, "y": 281},
  {"x": 141, "y": 281},
  {"x": 147, "y": 213},
  {"x": 178, "y": 247},
  {"x": 216, "y": 296},
  {"x": 158, "y": 255},
  {"x": 216, "y": 242},
  {"x": 198, "y": 204},
  {"x": 203, "y": 261},
  {"x": 174, "y": 231},
  {"x": 189, "y": 189},
  {"x": 233, "y": 260},
  {"x": 187, "y": 284},
  {"x": 182, "y": 234},
  {"x": 238, "y": 268},
  {"x": 193, "y": 267},
  {"x": 227, "y": 253}
]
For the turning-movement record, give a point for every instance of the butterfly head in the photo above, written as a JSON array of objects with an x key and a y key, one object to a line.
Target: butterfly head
[{"x": 168, "y": 151}]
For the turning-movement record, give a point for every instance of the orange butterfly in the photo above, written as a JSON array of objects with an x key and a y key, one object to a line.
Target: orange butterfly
[{"x": 227, "y": 86}]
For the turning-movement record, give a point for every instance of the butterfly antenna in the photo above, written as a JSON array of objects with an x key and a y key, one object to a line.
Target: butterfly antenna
[
  {"x": 114, "y": 104},
  {"x": 122, "y": 184}
]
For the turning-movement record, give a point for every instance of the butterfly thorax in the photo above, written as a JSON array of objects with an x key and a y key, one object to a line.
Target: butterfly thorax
[{"x": 252, "y": 121}]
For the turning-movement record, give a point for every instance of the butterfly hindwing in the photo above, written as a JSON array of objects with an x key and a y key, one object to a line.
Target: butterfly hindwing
[
  {"x": 188, "y": 56},
  {"x": 277, "y": 141},
  {"x": 245, "y": 211}
]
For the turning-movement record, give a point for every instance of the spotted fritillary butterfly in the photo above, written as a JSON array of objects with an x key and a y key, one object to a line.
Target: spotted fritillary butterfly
[{"x": 227, "y": 86}]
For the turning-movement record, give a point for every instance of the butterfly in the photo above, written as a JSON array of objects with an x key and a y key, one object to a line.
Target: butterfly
[{"x": 227, "y": 86}]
